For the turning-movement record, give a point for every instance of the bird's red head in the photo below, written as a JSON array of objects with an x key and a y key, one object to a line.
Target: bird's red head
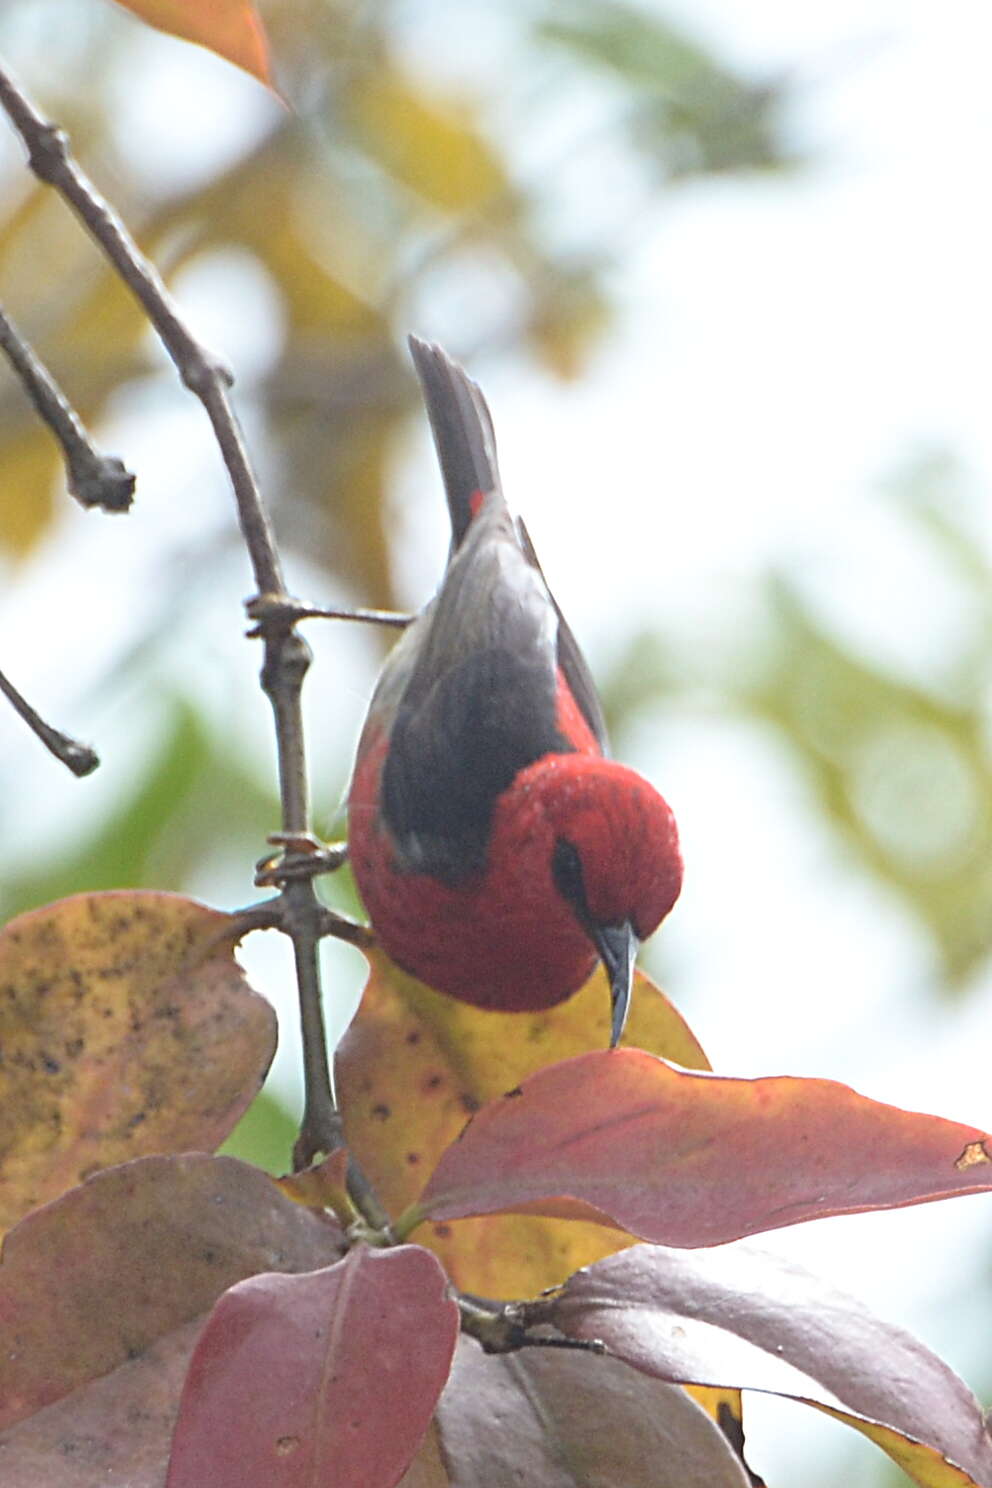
[
  {"x": 603, "y": 844},
  {"x": 616, "y": 852}
]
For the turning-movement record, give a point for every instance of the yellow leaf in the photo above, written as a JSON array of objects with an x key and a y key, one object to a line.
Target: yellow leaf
[
  {"x": 127, "y": 1028},
  {"x": 432, "y": 148},
  {"x": 414, "y": 1066}
]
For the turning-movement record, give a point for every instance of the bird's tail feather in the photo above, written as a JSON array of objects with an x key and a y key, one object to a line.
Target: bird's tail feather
[{"x": 463, "y": 433}]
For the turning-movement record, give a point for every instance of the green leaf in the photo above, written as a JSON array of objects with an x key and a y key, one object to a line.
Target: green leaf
[{"x": 264, "y": 1136}]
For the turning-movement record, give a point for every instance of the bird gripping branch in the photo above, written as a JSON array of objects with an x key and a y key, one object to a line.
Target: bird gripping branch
[{"x": 498, "y": 850}]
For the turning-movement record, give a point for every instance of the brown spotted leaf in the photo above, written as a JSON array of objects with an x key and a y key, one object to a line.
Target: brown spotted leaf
[
  {"x": 416, "y": 1064},
  {"x": 95, "y": 1278},
  {"x": 689, "y": 1159},
  {"x": 741, "y": 1317},
  {"x": 126, "y": 1028}
]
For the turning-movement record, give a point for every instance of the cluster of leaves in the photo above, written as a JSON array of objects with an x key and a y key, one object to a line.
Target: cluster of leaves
[{"x": 203, "y": 1321}]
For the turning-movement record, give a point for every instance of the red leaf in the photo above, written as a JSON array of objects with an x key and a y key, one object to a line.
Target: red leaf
[
  {"x": 114, "y": 1430},
  {"x": 744, "y": 1318},
  {"x": 93, "y": 1279},
  {"x": 696, "y": 1159},
  {"x": 330, "y": 1377}
]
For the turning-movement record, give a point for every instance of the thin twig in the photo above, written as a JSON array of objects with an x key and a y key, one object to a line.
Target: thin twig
[
  {"x": 268, "y": 915},
  {"x": 264, "y": 606},
  {"x": 369, "y": 617},
  {"x": 80, "y": 758},
  {"x": 286, "y": 654},
  {"x": 95, "y": 479},
  {"x": 343, "y": 927}
]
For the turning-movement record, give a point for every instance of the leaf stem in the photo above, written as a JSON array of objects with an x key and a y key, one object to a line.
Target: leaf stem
[{"x": 408, "y": 1222}]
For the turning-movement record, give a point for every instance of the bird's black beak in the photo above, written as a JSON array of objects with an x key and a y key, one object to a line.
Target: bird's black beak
[{"x": 617, "y": 946}]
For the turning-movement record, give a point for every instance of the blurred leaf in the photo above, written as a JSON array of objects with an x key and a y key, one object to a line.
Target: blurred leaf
[
  {"x": 93, "y": 1279},
  {"x": 557, "y": 1420},
  {"x": 430, "y": 146},
  {"x": 264, "y": 1136},
  {"x": 568, "y": 318},
  {"x": 905, "y": 774},
  {"x": 406, "y": 186},
  {"x": 117, "y": 855},
  {"x": 647, "y": 672},
  {"x": 415, "y": 1064},
  {"x": 331, "y": 1376},
  {"x": 231, "y": 28},
  {"x": 739, "y": 1316},
  {"x": 685, "y": 109},
  {"x": 689, "y": 1159},
  {"x": 30, "y": 463},
  {"x": 929, "y": 489},
  {"x": 636, "y": 44},
  {"x": 128, "y": 1029},
  {"x": 336, "y": 395}
]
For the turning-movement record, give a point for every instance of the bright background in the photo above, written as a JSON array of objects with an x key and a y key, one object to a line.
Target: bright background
[{"x": 722, "y": 270}]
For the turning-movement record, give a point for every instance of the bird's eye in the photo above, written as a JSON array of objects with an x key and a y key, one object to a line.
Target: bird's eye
[{"x": 566, "y": 869}]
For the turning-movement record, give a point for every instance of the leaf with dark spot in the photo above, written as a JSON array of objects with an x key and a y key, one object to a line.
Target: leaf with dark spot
[{"x": 128, "y": 1029}]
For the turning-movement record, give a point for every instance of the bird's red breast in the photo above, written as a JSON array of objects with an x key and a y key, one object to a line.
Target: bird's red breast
[{"x": 505, "y": 938}]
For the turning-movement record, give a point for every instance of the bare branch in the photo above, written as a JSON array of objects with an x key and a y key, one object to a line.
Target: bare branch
[
  {"x": 287, "y": 656},
  {"x": 80, "y": 758},
  {"x": 204, "y": 374},
  {"x": 95, "y": 479}
]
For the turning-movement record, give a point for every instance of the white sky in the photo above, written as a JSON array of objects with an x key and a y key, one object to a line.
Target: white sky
[{"x": 782, "y": 346}]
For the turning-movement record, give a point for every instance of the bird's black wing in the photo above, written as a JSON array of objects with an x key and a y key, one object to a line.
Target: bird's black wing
[
  {"x": 466, "y": 447},
  {"x": 570, "y": 659},
  {"x": 479, "y": 704}
]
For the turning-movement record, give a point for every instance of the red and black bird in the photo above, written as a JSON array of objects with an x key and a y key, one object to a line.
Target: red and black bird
[{"x": 499, "y": 851}]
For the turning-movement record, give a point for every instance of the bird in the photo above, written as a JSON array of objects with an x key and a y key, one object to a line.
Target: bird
[{"x": 498, "y": 849}]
